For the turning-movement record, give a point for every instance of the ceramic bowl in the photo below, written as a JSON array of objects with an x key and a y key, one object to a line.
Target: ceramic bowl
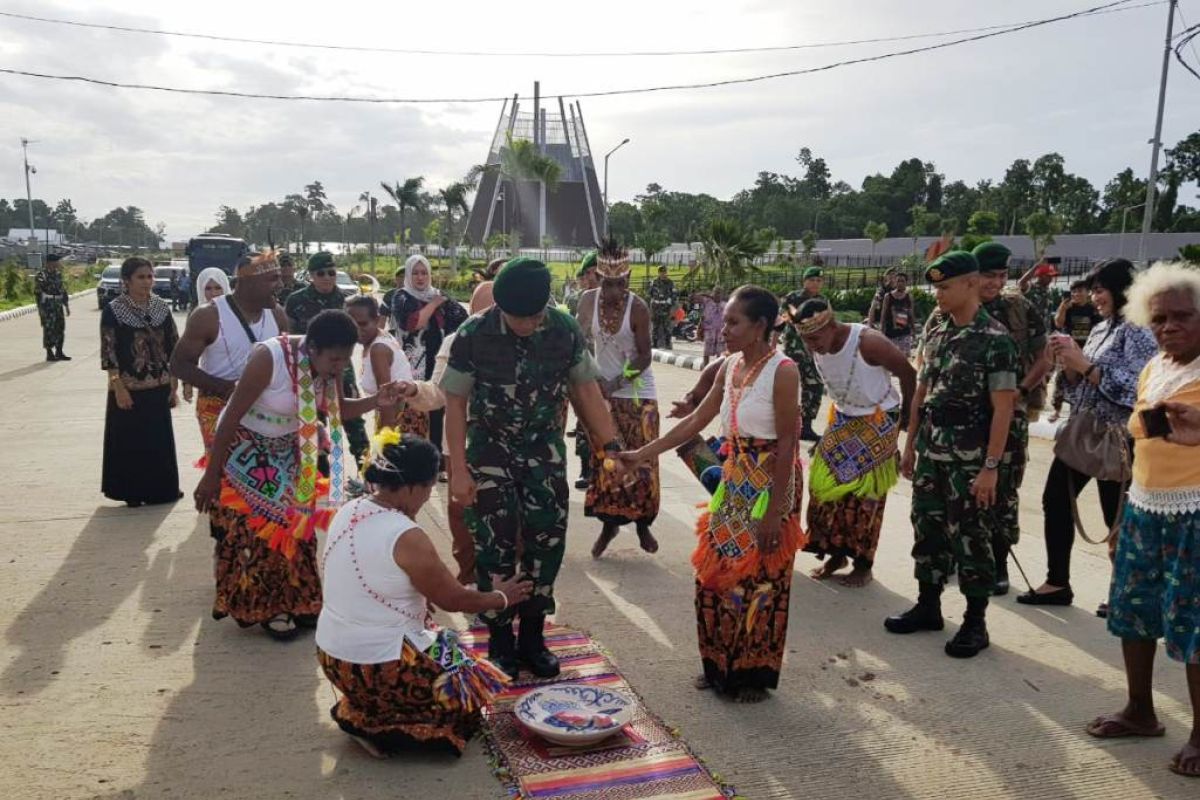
[{"x": 574, "y": 715}]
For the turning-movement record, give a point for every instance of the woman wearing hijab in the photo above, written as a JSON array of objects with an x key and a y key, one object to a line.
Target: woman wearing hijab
[
  {"x": 423, "y": 315},
  {"x": 211, "y": 283}
]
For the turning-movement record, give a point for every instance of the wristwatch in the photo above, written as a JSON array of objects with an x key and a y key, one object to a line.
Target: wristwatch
[{"x": 991, "y": 463}]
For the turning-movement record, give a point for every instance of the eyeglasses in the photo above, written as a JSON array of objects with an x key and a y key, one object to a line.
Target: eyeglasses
[{"x": 324, "y": 273}]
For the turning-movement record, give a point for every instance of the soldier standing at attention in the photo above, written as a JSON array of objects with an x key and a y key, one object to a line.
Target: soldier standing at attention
[
  {"x": 1028, "y": 331},
  {"x": 812, "y": 389},
  {"x": 510, "y": 372},
  {"x": 663, "y": 299},
  {"x": 960, "y": 423},
  {"x": 53, "y": 305}
]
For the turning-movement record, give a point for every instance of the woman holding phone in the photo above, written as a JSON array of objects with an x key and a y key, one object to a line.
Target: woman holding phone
[{"x": 1155, "y": 591}]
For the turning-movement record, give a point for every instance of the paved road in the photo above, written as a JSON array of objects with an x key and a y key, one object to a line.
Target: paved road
[{"x": 116, "y": 683}]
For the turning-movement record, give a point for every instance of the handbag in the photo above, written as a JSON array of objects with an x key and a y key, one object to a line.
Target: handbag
[{"x": 1099, "y": 450}]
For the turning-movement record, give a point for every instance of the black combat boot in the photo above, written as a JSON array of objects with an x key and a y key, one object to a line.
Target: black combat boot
[
  {"x": 926, "y": 615},
  {"x": 50, "y": 355},
  {"x": 1001, "y": 547},
  {"x": 502, "y": 647},
  {"x": 531, "y": 647},
  {"x": 972, "y": 636},
  {"x": 60, "y": 355}
]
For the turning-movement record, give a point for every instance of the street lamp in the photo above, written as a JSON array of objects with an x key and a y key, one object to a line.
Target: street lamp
[
  {"x": 606, "y": 156},
  {"x": 1124, "y": 216}
]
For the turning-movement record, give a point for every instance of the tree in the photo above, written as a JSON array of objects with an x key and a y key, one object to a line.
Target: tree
[
  {"x": 229, "y": 221},
  {"x": 921, "y": 219},
  {"x": 984, "y": 223},
  {"x": 729, "y": 250},
  {"x": 1041, "y": 228},
  {"x": 315, "y": 199},
  {"x": 809, "y": 240},
  {"x": 520, "y": 160},
  {"x": 298, "y": 206},
  {"x": 876, "y": 232},
  {"x": 454, "y": 198},
  {"x": 652, "y": 242},
  {"x": 624, "y": 221},
  {"x": 1125, "y": 193},
  {"x": 1016, "y": 193},
  {"x": 405, "y": 195}
]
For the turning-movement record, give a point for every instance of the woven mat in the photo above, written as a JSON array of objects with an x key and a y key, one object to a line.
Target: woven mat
[{"x": 646, "y": 760}]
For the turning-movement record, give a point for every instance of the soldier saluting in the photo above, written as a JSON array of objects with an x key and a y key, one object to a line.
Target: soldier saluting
[
  {"x": 959, "y": 422},
  {"x": 53, "y": 305}
]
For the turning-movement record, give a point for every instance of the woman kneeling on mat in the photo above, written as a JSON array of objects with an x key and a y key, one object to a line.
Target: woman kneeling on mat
[{"x": 404, "y": 682}]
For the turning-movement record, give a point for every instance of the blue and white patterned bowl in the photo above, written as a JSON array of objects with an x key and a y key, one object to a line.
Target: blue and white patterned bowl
[{"x": 574, "y": 715}]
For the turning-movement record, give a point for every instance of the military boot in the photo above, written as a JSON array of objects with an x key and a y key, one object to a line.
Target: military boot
[
  {"x": 971, "y": 638},
  {"x": 502, "y": 648},
  {"x": 531, "y": 646},
  {"x": 926, "y": 615}
]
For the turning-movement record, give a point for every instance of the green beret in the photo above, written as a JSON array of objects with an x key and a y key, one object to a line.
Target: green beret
[
  {"x": 951, "y": 265},
  {"x": 522, "y": 287},
  {"x": 321, "y": 260},
  {"x": 589, "y": 262},
  {"x": 992, "y": 256},
  {"x": 813, "y": 272}
]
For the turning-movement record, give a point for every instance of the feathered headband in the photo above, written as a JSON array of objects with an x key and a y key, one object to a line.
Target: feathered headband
[
  {"x": 815, "y": 323},
  {"x": 259, "y": 264},
  {"x": 612, "y": 260},
  {"x": 375, "y": 457}
]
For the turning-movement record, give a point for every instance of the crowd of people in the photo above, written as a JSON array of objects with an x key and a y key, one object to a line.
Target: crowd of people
[{"x": 480, "y": 397}]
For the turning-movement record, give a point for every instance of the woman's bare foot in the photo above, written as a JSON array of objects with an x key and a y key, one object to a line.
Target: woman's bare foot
[
  {"x": 369, "y": 747},
  {"x": 858, "y": 577},
  {"x": 748, "y": 695},
  {"x": 701, "y": 683},
  {"x": 607, "y": 534},
  {"x": 1119, "y": 725},
  {"x": 832, "y": 565},
  {"x": 1187, "y": 761},
  {"x": 646, "y": 539}
]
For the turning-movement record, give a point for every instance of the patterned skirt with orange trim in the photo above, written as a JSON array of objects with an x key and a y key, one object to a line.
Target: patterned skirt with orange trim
[
  {"x": 742, "y": 594},
  {"x": 416, "y": 701},
  {"x": 636, "y": 499},
  {"x": 208, "y": 412}
]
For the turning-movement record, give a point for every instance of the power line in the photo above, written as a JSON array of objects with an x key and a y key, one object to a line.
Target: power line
[
  {"x": 1111, "y": 9},
  {"x": 602, "y": 93},
  {"x": 1186, "y": 36}
]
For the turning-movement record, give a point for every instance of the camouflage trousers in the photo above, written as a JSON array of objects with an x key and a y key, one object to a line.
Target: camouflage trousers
[
  {"x": 812, "y": 388},
  {"x": 949, "y": 528},
  {"x": 1004, "y": 515},
  {"x": 520, "y": 495},
  {"x": 356, "y": 429},
  {"x": 661, "y": 332},
  {"x": 54, "y": 324}
]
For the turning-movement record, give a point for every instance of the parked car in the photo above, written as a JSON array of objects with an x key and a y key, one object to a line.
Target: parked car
[
  {"x": 166, "y": 279},
  {"x": 346, "y": 285},
  {"x": 109, "y": 285}
]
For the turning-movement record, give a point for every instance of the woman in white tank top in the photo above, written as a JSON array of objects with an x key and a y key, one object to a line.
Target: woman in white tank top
[
  {"x": 262, "y": 483},
  {"x": 856, "y": 462},
  {"x": 384, "y": 360},
  {"x": 376, "y": 642},
  {"x": 749, "y": 537}
]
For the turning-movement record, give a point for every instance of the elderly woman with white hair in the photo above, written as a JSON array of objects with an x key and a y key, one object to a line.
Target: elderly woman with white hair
[
  {"x": 1155, "y": 592},
  {"x": 423, "y": 316}
]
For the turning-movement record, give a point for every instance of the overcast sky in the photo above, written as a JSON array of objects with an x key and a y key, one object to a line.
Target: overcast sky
[{"x": 1085, "y": 88}]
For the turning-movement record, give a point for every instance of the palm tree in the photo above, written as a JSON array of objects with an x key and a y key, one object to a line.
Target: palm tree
[
  {"x": 405, "y": 195},
  {"x": 298, "y": 205},
  {"x": 520, "y": 160},
  {"x": 729, "y": 251},
  {"x": 454, "y": 198}
]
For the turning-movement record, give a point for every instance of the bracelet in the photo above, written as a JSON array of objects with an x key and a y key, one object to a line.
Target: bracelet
[
  {"x": 503, "y": 597},
  {"x": 611, "y": 446}
]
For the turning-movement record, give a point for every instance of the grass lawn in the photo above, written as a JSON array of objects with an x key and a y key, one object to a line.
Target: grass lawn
[{"x": 16, "y": 284}]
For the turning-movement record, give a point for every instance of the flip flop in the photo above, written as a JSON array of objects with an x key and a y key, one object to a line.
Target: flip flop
[
  {"x": 281, "y": 627},
  {"x": 1114, "y": 726}
]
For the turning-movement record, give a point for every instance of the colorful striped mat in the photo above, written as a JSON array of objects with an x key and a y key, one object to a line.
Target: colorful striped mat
[{"x": 646, "y": 761}]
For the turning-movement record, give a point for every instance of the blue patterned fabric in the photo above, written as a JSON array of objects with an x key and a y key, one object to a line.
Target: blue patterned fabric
[{"x": 1120, "y": 351}]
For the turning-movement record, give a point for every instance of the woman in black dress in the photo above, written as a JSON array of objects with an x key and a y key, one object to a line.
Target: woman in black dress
[
  {"x": 137, "y": 335},
  {"x": 424, "y": 317}
]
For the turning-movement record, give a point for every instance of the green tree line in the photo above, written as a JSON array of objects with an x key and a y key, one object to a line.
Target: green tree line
[{"x": 122, "y": 226}]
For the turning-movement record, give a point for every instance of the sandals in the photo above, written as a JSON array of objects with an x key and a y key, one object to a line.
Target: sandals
[
  {"x": 1115, "y": 726},
  {"x": 281, "y": 627}
]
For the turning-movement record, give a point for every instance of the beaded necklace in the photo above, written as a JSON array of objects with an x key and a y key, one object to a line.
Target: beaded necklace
[
  {"x": 304, "y": 384},
  {"x": 733, "y": 445},
  {"x": 348, "y": 534}
]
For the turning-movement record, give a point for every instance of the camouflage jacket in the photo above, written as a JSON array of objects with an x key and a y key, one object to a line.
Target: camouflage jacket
[
  {"x": 304, "y": 304},
  {"x": 48, "y": 288},
  {"x": 962, "y": 366},
  {"x": 1039, "y": 297},
  {"x": 663, "y": 297},
  {"x": 793, "y": 345},
  {"x": 516, "y": 387},
  {"x": 283, "y": 293}
]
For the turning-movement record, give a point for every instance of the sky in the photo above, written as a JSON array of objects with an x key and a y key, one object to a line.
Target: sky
[{"x": 1085, "y": 88}]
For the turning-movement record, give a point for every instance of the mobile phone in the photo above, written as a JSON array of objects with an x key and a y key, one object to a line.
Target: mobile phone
[{"x": 1155, "y": 421}]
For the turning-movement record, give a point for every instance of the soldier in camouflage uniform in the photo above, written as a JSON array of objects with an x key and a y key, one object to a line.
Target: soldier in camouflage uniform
[
  {"x": 53, "y": 306},
  {"x": 960, "y": 422},
  {"x": 302, "y": 305},
  {"x": 1028, "y": 331},
  {"x": 583, "y": 448},
  {"x": 1035, "y": 285},
  {"x": 510, "y": 373},
  {"x": 663, "y": 299},
  {"x": 812, "y": 389}
]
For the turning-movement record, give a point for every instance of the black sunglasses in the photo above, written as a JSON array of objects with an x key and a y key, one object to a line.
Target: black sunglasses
[{"x": 324, "y": 273}]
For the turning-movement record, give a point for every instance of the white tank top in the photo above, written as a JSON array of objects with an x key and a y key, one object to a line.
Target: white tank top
[
  {"x": 274, "y": 413},
  {"x": 612, "y": 351},
  {"x": 226, "y": 357},
  {"x": 401, "y": 369},
  {"x": 756, "y": 410},
  {"x": 354, "y": 626},
  {"x": 856, "y": 387}
]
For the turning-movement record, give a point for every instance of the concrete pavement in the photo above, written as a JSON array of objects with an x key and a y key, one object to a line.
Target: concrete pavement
[{"x": 116, "y": 683}]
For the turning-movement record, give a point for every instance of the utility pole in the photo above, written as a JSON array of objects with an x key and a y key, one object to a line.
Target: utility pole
[
  {"x": 28, "y": 194},
  {"x": 1156, "y": 142}
]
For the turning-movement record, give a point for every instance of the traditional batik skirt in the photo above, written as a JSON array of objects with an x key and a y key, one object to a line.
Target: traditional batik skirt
[
  {"x": 255, "y": 581},
  {"x": 631, "y": 498},
  {"x": 429, "y": 699},
  {"x": 414, "y": 422},
  {"x": 741, "y": 593},
  {"x": 208, "y": 412},
  {"x": 1156, "y": 580},
  {"x": 702, "y": 458},
  {"x": 853, "y": 469}
]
